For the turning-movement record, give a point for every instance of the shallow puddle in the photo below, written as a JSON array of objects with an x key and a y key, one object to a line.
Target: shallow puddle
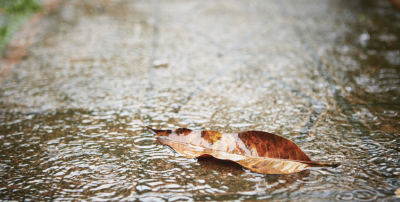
[
  {"x": 324, "y": 74},
  {"x": 109, "y": 155}
]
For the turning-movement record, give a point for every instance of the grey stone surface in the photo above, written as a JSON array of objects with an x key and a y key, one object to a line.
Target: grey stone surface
[{"x": 324, "y": 74}]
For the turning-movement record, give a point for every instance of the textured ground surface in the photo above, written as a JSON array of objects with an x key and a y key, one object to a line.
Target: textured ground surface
[{"x": 322, "y": 73}]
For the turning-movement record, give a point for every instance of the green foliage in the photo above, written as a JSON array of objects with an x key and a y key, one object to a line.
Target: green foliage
[
  {"x": 12, "y": 15},
  {"x": 19, "y": 6},
  {"x": 3, "y": 31}
]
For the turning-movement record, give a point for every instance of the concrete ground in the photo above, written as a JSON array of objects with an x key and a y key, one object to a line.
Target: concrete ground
[{"x": 324, "y": 74}]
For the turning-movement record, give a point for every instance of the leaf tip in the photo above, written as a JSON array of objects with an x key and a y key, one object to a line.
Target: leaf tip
[
  {"x": 151, "y": 130},
  {"x": 333, "y": 165}
]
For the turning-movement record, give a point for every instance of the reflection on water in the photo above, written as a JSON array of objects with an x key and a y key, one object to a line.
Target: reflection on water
[
  {"x": 74, "y": 111},
  {"x": 102, "y": 155}
]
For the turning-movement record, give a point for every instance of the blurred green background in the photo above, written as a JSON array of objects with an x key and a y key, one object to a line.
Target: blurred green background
[{"x": 12, "y": 14}]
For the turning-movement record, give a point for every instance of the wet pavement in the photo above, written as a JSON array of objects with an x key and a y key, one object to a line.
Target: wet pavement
[{"x": 324, "y": 74}]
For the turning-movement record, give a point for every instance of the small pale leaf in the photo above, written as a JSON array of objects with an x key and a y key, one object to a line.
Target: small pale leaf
[{"x": 257, "y": 151}]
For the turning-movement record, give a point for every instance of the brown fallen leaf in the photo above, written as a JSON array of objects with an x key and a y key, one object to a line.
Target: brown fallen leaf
[{"x": 257, "y": 151}]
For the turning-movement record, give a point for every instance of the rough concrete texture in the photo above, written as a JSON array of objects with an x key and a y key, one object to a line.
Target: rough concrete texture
[{"x": 322, "y": 73}]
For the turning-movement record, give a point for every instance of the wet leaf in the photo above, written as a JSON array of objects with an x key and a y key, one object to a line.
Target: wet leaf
[{"x": 257, "y": 151}]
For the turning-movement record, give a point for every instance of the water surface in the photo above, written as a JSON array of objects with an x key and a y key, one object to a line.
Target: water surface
[{"x": 321, "y": 73}]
